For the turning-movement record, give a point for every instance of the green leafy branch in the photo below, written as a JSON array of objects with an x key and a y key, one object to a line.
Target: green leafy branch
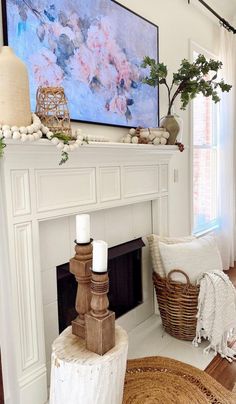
[{"x": 190, "y": 80}]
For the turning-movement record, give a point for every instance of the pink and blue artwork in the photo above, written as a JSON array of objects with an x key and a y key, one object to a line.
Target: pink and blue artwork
[{"x": 93, "y": 49}]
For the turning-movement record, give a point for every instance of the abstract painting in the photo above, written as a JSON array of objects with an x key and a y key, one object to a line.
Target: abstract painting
[{"x": 92, "y": 48}]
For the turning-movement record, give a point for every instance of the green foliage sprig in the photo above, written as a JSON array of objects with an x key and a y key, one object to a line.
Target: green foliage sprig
[
  {"x": 191, "y": 79},
  {"x": 2, "y": 145},
  {"x": 66, "y": 140}
]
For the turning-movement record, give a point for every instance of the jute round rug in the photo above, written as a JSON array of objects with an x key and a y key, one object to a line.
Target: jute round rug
[{"x": 162, "y": 380}]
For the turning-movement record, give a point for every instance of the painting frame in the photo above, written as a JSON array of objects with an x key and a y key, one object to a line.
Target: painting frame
[{"x": 142, "y": 120}]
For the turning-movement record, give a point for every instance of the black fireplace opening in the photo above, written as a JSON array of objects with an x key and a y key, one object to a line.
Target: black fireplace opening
[{"x": 125, "y": 282}]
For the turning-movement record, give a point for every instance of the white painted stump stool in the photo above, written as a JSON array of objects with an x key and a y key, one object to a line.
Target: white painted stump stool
[{"x": 79, "y": 376}]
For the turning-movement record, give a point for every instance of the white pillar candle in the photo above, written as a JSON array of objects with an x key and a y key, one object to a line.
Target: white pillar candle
[
  {"x": 82, "y": 229},
  {"x": 99, "y": 256}
]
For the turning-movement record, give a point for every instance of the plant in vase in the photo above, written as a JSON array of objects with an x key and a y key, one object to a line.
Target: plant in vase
[{"x": 190, "y": 80}]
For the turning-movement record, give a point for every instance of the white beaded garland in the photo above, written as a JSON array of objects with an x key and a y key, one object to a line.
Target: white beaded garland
[
  {"x": 31, "y": 138},
  {"x": 66, "y": 148},
  {"x": 16, "y": 135},
  {"x": 36, "y": 130},
  {"x": 60, "y": 145},
  {"x": 156, "y": 140},
  {"x": 14, "y": 129},
  {"x": 55, "y": 140},
  {"x": 163, "y": 140},
  {"x": 7, "y": 133},
  {"x": 23, "y": 129},
  {"x": 5, "y": 127},
  {"x": 45, "y": 130},
  {"x": 24, "y": 137},
  {"x": 154, "y": 136},
  {"x": 30, "y": 129},
  {"x": 49, "y": 134}
]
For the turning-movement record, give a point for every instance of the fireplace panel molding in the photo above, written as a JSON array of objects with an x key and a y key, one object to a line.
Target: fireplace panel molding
[
  {"x": 35, "y": 188},
  {"x": 71, "y": 187},
  {"x": 20, "y": 192}
]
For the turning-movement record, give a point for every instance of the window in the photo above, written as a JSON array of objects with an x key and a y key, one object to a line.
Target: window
[{"x": 205, "y": 141}]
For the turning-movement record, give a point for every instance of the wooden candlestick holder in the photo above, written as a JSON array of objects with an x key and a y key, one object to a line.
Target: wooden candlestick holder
[
  {"x": 100, "y": 322},
  {"x": 80, "y": 266}
]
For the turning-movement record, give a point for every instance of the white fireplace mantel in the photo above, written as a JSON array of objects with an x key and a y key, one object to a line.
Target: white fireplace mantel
[{"x": 35, "y": 188}]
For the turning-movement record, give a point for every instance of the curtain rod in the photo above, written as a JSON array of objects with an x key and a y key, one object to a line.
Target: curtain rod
[{"x": 222, "y": 21}]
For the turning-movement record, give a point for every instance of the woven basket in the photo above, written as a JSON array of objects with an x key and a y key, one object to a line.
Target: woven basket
[{"x": 178, "y": 305}]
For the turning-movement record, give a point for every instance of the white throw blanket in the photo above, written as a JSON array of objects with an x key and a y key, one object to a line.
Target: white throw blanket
[{"x": 216, "y": 313}]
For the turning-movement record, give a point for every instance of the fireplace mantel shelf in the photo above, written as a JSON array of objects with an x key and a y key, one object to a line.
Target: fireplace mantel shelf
[{"x": 98, "y": 145}]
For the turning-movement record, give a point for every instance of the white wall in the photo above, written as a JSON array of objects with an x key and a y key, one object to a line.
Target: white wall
[{"x": 178, "y": 24}]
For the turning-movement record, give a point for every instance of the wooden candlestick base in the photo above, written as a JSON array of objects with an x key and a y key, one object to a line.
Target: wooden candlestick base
[
  {"x": 100, "y": 322},
  {"x": 80, "y": 266}
]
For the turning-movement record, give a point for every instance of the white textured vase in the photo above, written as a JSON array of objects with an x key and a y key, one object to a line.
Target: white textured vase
[{"x": 14, "y": 90}]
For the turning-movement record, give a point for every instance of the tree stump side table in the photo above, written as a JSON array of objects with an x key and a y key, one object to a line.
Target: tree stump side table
[{"x": 79, "y": 376}]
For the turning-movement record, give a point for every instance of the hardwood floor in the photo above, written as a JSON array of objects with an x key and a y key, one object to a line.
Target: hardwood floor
[{"x": 220, "y": 369}]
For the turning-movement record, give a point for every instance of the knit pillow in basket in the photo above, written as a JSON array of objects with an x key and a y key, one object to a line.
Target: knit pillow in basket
[
  {"x": 194, "y": 258},
  {"x": 154, "y": 240}
]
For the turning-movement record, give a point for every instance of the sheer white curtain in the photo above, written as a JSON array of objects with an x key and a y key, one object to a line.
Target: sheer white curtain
[{"x": 227, "y": 175}]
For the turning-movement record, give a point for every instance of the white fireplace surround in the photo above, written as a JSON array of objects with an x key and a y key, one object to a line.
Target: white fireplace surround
[{"x": 35, "y": 189}]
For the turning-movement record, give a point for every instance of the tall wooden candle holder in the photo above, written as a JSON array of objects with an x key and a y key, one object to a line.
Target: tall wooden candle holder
[
  {"x": 80, "y": 266},
  {"x": 100, "y": 322}
]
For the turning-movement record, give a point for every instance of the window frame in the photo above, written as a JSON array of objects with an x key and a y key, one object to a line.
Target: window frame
[{"x": 194, "y": 47}]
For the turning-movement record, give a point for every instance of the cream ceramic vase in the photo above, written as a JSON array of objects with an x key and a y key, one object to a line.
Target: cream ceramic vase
[{"x": 14, "y": 90}]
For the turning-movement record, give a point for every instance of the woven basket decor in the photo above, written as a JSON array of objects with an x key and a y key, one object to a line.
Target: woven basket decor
[
  {"x": 159, "y": 380},
  {"x": 177, "y": 304}
]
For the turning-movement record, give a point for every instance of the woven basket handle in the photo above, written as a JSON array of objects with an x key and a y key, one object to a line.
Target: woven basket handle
[{"x": 188, "y": 283}]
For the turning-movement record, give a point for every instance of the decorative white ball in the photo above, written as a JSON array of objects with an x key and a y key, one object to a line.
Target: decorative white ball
[
  {"x": 156, "y": 140},
  {"x": 24, "y": 137},
  {"x": 14, "y": 129},
  {"x": 132, "y": 131},
  {"x": 5, "y": 127},
  {"x": 39, "y": 133},
  {"x": 34, "y": 127},
  {"x": 16, "y": 135},
  {"x": 23, "y": 129},
  {"x": 60, "y": 145},
  {"x": 163, "y": 140},
  {"x": 45, "y": 130},
  {"x": 35, "y": 118},
  {"x": 36, "y": 136},
  {"x": 30, "y": 129},
  {"x": 166, "y": 135},
  {"x": 37, "y": 126},
  {"x": 7, "y": 134},
  {"x": 78, "y": 141},
  {"x": 66, "y": 148},
  {"x": 31, "y": 138},
  {"x": 49, "y": 134},
  {"x": 127, "y": 139},
  {"x": 135, "y": 139},
  {"x": 152, "y": 136},
  {"x": 55, "y": 140}
]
